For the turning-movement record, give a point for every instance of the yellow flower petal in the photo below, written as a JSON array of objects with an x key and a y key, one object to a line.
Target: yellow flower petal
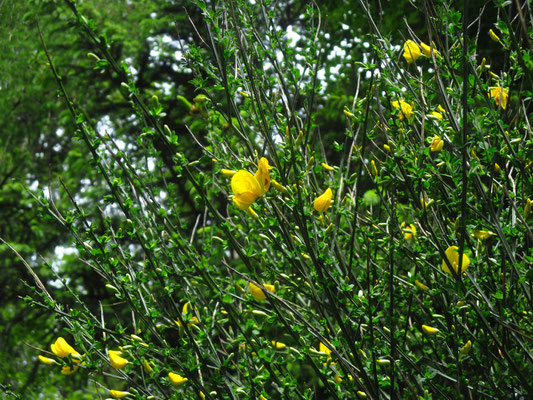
[
  {"x": 228, "y": 173},
  {"x": 324, "y": 349},
  {"x": 493, "y": 36},
  {"x": 411, "y": 51},
  {"x": 262, "y": 176},
  {"x": 453, "y": 257},
  {"x": 62, "y": 349},
  {"x": 252, "y": 213},
  {"x": 322, "y": 202},
  {"x": 437, "y": 115},
  {"x": 500, "y": 96},
  {"x": 437, "y": 144},
  {"x": 373, "y": 168},
  {"x": 176, "y": 379},
  {"x": 258, "y": 294},
  {"x": 68, "y": 370},
  {"x": 246, "y": 189},
  {"x": 118, "y": 394},
  {"x": 428, "y": 330},
  {"x": 427, "y": 50},
  {"x": 46, "y": 360},
  {"x": 327, "y": 167},
  {"x": 409, "y": 231},
  {"x": 405, "y": 109},
  {"x": 185, "y": 311},
  {"x": 466, "y": 348},
  {"x": 147, "y": 367},
  {"x": 278, "y": 345},
  {"x": 116, "y": 360}
]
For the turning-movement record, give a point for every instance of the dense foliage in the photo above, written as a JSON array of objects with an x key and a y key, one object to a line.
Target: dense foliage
[{"x": 261, "y": 200}]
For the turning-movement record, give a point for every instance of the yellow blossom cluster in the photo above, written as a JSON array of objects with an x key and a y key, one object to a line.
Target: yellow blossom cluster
[
  {"x": 247, "y": 188},
  {"x": 62, "y": 349}
]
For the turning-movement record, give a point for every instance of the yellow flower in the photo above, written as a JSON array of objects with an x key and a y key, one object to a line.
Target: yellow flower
[
  {"x": 228, "y": 173},
  {"x": 62, "y": 349},
  {"x": 437, "y": 144},
  {"x": 493, "y": 36},
  {"x": 116, "y": 360},
  {"x": 176, "y": 379},
  {"x": 428, "y": 330},
  {"x": 405, "y": 109},
  {"x": 278, "y": 345},
  {"x": 427, "y": 50},
  {"x": 247, "y": 187},
  {"x": 500, "y": 96},
  {"x": 322, "y": 202},
  {"x": 46, "y": 360},
  {"x": 147, "y": 367},
  {"x": 258, "y": 294},
  {"x": 118, "y": 394},
  {"x": 387, "y": 148},
  {"x": 261, "y": 397},
  {"x": 466, "y": 348},
  {"x": 453, "y": 258},
  {"x": 348, "y": 113},
  {"x": 482, "y": 235},
  {"x": 327, "y": 167},
  {"x": 437, "y": 115},
  {"x": 324, "y": 349},
  {"x": 409, "y": 231},
  {"x": 69, "y": 370},
  {"x": 373, "y": 168},
  {"x": 411, "y": 51}
]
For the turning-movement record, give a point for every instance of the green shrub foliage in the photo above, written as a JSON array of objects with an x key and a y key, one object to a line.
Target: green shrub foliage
[{"x": 305, "y": 201}]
